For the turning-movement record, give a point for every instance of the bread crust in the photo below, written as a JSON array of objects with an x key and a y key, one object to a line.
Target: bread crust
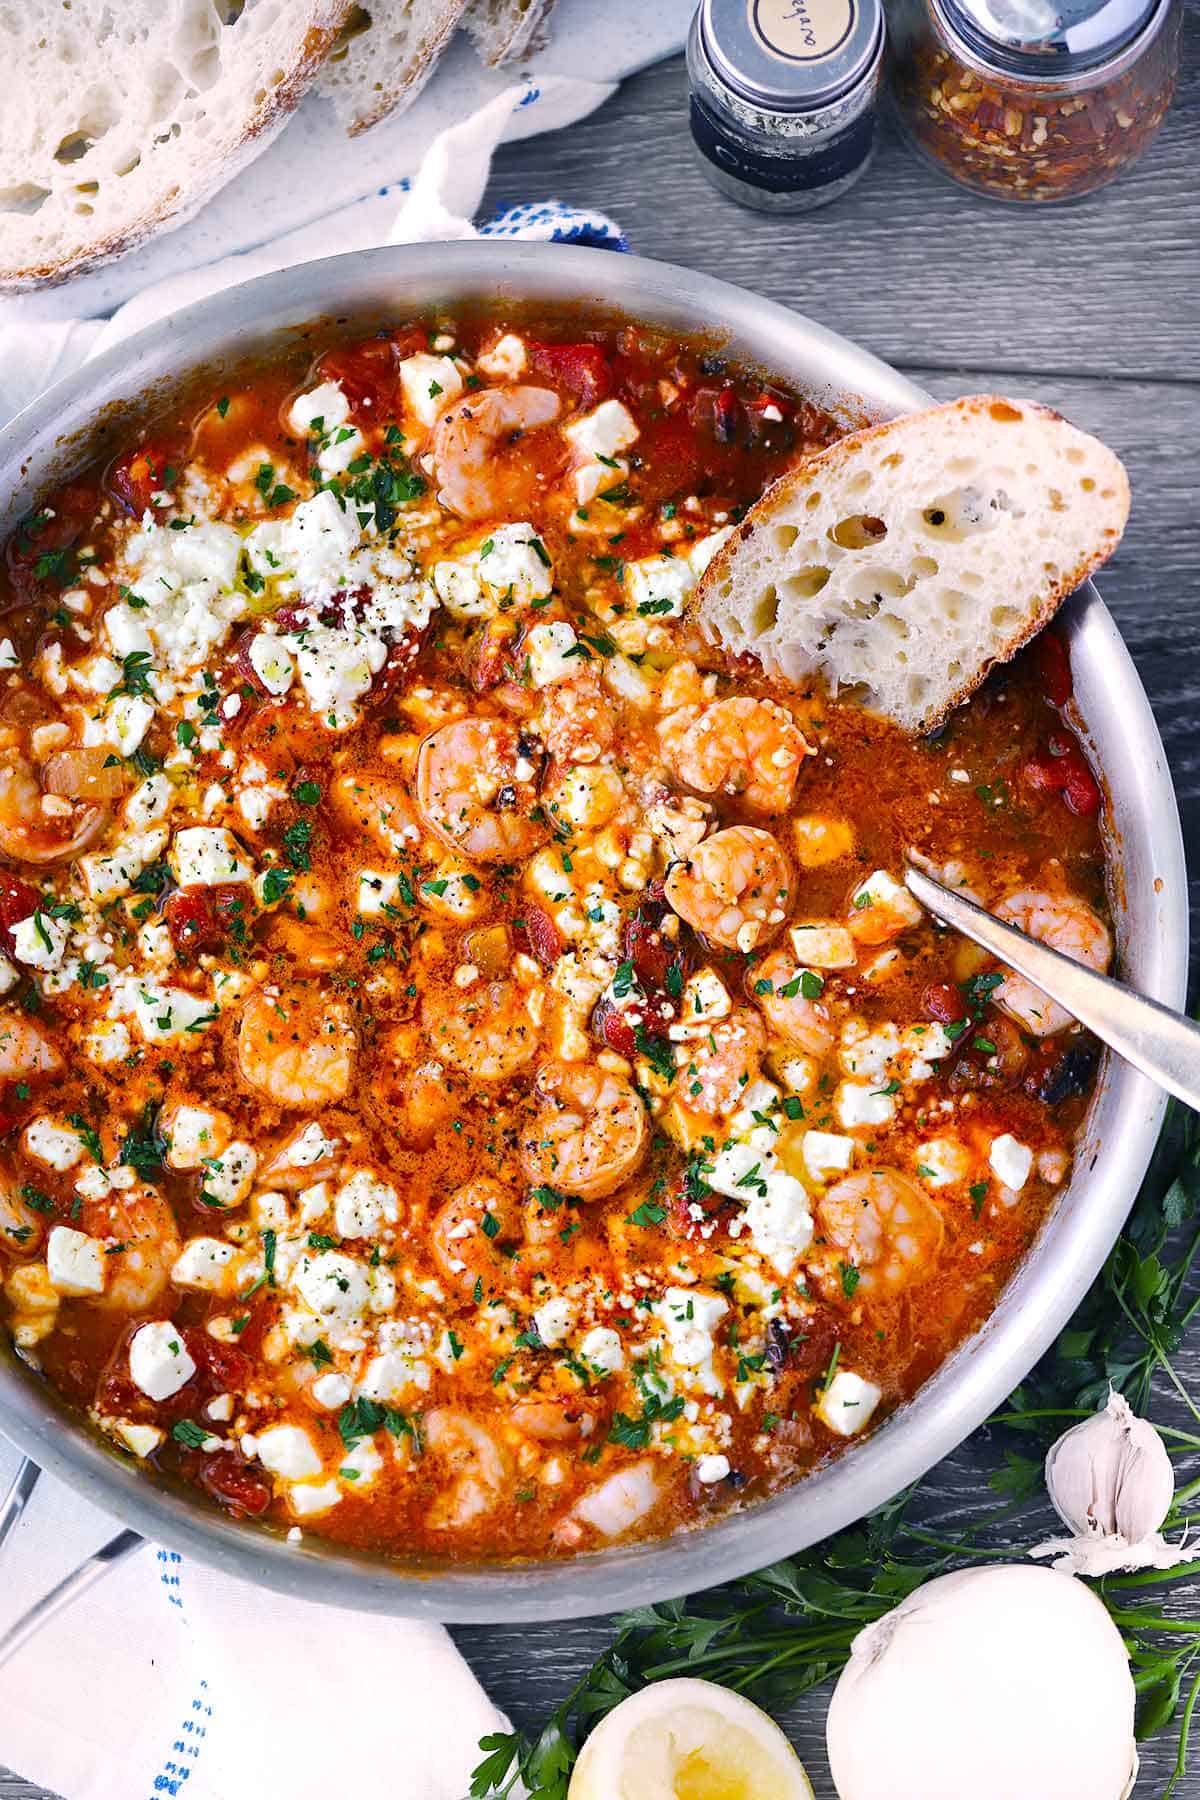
[
  {"x": 502, "y": 43},
  {"x": 414, "y": 73},
  {"x": 174, "y": 209},
  {"x": 829, "y": 465}
]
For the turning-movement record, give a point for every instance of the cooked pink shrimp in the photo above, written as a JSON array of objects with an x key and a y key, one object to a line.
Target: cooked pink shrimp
[
  {"x": 479, "y": 462},
  {"x": 25, "y": 1048},
  {"x": 734, "y": 887},
  {"x": 889, "y": 1229},
  {"x": 297, "y": 1046},
  {"x": 473, "y": 1234},
  {"x": 485, "y": 1030},
  {"x": 577, "y": 721},
  {"x": 749, "y": 748},
  {"x": 21, "y": 1228},
  {"x": 589, "y": 1133},
  {"x": 477, "y": 1465},
  {"x": 1065, "y": 923},
  {"x": 478, "y": 792},
  {"x": 717, "y": 1067},
  {"x": 377, "y": 809},
  {"x": 141, "y": 1249},
  {"x": 801, "y": 1021}
]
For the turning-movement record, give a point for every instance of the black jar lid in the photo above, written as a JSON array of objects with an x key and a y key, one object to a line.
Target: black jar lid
[
  {"x": 790, "y": 55},
  {"x": 1039, "y": 37}
]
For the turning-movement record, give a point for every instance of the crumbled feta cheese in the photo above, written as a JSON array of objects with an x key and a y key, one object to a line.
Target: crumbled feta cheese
[
  {"x": 514, "y": 564},
  {"x": 712, "y": 1468},
  {"x": 705, "y": 548},
  {"x": 549, "y": 650},
  {"x": 779, "y": 1221},
  {"x": 164, "y": 1015},
  {"x": 459, "y": 587},
  {"x": 1011, "y": 1161},
  {"x": 738, "y": 1170},
  {"x": 856, "y": 1103},
  {"x": 319, "y": 412},
  {"x": 825, "y": 1153},
  {"x": 505, "y": 358},
  {"x": 363, "y": 1205},
  {"x": 40, "y": 941},
  {"x": 272, "y": 662},
  {"x": 53, "y": 1144},
  {"x": 159, "y": 1362},
  {"x": 106, "y": 877},
  {"x": 204, "y": 1264},
  {"x": 8, "y": 654},
  {"x": 942, "y": 1161},
  {"x": 229, "y": 1176},
  {"x": 658, "y": 586},
  {"x": 605, "y": 431},
  {"x": 824, "y": 946},
  {"x": 690, "y": 1316},
  {"x": 334, "y": 1285},
  {"x": 429, "y": 384},
  {"x": 846, "y": 1405},
  {"x": 149, "y": 802},
  {"x": 309, "y": 1147},
  {"x": 882, "y": 907},
  {"x": 143, "y": 1440},
  {"x": 287, "y": 1450},
  {"x": 309, "y": 1498},
  {"x": 601, "y": 1349},
  {"x": 331, "y": 1391},
  {"x": 378, "y": 892},
  {"x": 107, "y": 1042},
  {"x": 75, "y": 1263},
  {"x": 394, "y": 1376},
  {"x": 704, "y": 1000},
  {"x": 207, "y": 856},
  {"x": 553, "y": 1320},
  {"x": 195, "y": 1133}
]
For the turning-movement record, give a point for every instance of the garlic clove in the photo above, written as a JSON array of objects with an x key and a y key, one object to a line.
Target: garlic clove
[{"x": 1111, "y": 1483}]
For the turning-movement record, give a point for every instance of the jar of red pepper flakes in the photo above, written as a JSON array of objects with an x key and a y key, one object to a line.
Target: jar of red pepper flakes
[{"x": 1028, "y": 101}]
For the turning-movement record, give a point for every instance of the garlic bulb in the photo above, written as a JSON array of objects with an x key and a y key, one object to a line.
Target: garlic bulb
[
  {"x": 1112, "y": 1485},
  {"x": 996, "y": 1683}
]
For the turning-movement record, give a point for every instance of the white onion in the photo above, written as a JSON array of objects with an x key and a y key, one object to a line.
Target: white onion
[{"x": 995, "y": 1683}]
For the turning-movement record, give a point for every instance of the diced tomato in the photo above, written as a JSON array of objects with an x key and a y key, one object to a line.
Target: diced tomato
[
  {"x": 944, "y": 1002},
  {"x": 1053, "y": 666},
  {"x": 153, "y": 468},
  {"x": 232, "y": 1482},
  {"x": 489, "y": 660},
  {"x": 727, "y": 415},
  {"x": 17, "y": 901},
  {"x": 202, "y": 919},
  {"x": 1062, "y": 769},
  {"x": 613, "y": 1027},
  {"x": 220, "y": 1368},
  {"x": 368, "y": 373},
  {"x": 583, "y": 368},
  {"x": 36, "y": 549},
  {"x": 537, "y": 935},
  {"x": 652, "y": 953}
]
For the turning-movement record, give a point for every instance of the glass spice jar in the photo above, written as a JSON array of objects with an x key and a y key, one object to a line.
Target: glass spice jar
[
  {"x": 783, "y": 97},
  {"x": 1026, "y": 101}
]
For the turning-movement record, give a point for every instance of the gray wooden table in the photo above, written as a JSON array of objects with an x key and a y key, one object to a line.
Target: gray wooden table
[{"x": 1092, "y": 309}]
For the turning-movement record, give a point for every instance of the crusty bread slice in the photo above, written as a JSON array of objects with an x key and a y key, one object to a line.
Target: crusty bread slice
[
  {"x": 121, "y": 117},
  {"x": 384, "y": 58},
  {"x": 905, "y": 560},
  {"x": 503, "y": 30}
]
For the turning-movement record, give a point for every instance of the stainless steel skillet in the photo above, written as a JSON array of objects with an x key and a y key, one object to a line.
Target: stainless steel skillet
[{"x": 55, "y": 433}]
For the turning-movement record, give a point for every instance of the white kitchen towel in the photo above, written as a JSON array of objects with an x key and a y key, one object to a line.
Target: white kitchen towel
[{"x": 167, "y": 1678}]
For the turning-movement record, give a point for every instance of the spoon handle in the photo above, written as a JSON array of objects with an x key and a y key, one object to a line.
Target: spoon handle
[{"x": 1163, "y": 1044}]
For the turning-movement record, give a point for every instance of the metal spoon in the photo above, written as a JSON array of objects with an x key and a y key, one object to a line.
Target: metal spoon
[{"x": 1161, "y": 1043}]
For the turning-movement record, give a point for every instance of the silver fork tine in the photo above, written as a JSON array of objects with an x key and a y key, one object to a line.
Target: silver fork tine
[
  {"x": 1163, "y": 1044},
  {"x": 17, "y": 1497}
]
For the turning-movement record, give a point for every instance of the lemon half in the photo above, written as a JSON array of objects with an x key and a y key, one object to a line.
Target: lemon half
[{"x": 688, "y": 1740}]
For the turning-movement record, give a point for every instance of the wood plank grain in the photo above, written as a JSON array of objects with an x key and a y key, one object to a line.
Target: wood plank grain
[{"x": 908, "y": 263}]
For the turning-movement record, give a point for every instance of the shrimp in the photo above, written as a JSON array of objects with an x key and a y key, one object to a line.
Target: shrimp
[
  {"x": 589, "y": 1134},
  {"x": 749, "y": 748},
  {"x": 576, "y": 721},
  {"x": 885, "y": 1224},
  {"x": 801, "y": 1021},
  {"x": 473, "y": 1234},
  {"x": 478, "y": 1465},
  {"x": 25, "y": 1048},
  {"x": 377, "y": 809},
  {"x": 720, "y": 1066},
  {"x": 29, "y": 832},
  {"x": 480, "y": 463},
  {"x": 558, "y": 1418},
  {"x": 297, "y": 1046},
  {"x": 143, "y": 1246},
  {"x": 21, "y": 1229},
  {"x": 1065, "y": 923},
  {"x": 733, "y": 888},
  {"x": 486, "y": 1030},
  {"x": 305, "y": 1156},
  {"x": 478, "y": 791}
]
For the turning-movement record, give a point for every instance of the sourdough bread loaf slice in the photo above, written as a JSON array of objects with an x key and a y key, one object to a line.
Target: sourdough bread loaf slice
[
  {"x": 905, "y": 560},
  {"x": 503, "y": 30},
  {"x": 121, "y": 117},
  {"x": 384, "y": 58}
]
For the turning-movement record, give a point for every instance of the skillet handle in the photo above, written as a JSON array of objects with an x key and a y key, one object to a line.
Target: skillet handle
[
  {"x": 17, "y": 1498},
  {"x": 69, "y": 1589}
]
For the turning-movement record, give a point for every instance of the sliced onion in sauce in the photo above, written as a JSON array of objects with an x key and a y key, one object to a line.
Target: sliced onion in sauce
[{"x": 84, "y": 774}]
